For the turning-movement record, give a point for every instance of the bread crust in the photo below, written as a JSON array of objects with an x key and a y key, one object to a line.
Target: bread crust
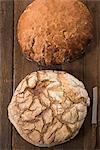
[
  {"x": 50, "y": 32},
  {"x": 48, "y": 107}
]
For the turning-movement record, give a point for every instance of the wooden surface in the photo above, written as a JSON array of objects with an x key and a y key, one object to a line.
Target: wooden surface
[
  {"x": 6, "y": 71},
  {"x": 13, "y": 67}
]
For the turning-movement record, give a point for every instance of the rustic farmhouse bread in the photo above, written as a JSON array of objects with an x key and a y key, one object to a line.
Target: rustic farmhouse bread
[
  {"x": 48, "y": 107},
  {"x": 50, "y": 31}
]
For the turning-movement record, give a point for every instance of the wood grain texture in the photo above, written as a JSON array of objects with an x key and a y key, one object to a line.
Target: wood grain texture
[
  {"x": 90, "y": 74},
  {"x": 14, "y": 67},
  {"x": 98, "y": 65},
  {"x": 6, "y": 51}
]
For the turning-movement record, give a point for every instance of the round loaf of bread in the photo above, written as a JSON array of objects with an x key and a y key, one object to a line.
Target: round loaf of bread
[
  {"x": 54, "y": 31},
  {"x": 48, "y": 107}
]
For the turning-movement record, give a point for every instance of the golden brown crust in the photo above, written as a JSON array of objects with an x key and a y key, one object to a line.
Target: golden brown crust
[
  {"x": 51, "y": 31},
  {"x": 48, "y": 108}
]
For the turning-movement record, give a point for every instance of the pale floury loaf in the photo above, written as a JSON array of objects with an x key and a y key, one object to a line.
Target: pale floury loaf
[{"x": 48, "y": 107}]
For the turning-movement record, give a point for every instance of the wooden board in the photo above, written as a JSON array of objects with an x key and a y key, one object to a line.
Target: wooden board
[
  {"x": 90, "y": 74},
  {"x": 14, "y": 67},
  {"x": 6, "y": 70}
]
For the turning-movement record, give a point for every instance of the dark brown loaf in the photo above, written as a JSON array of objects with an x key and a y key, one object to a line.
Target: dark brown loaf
[{"x": 51, "y": 30}]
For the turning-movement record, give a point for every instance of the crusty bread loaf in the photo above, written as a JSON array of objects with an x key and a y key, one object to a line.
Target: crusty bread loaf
[
  {"x": 48, "y": 107},
  {"x": 52, "y": 31}
]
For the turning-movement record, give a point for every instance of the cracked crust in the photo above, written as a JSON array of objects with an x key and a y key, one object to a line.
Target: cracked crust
[
  {"x": 48, "y": 107},
  {"x": 52, "y": 31}
]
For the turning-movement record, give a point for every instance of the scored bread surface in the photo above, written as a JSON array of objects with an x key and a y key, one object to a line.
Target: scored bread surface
[
  {"x": 48, "y": 107},
  {"x": 52, "y": 31}
]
